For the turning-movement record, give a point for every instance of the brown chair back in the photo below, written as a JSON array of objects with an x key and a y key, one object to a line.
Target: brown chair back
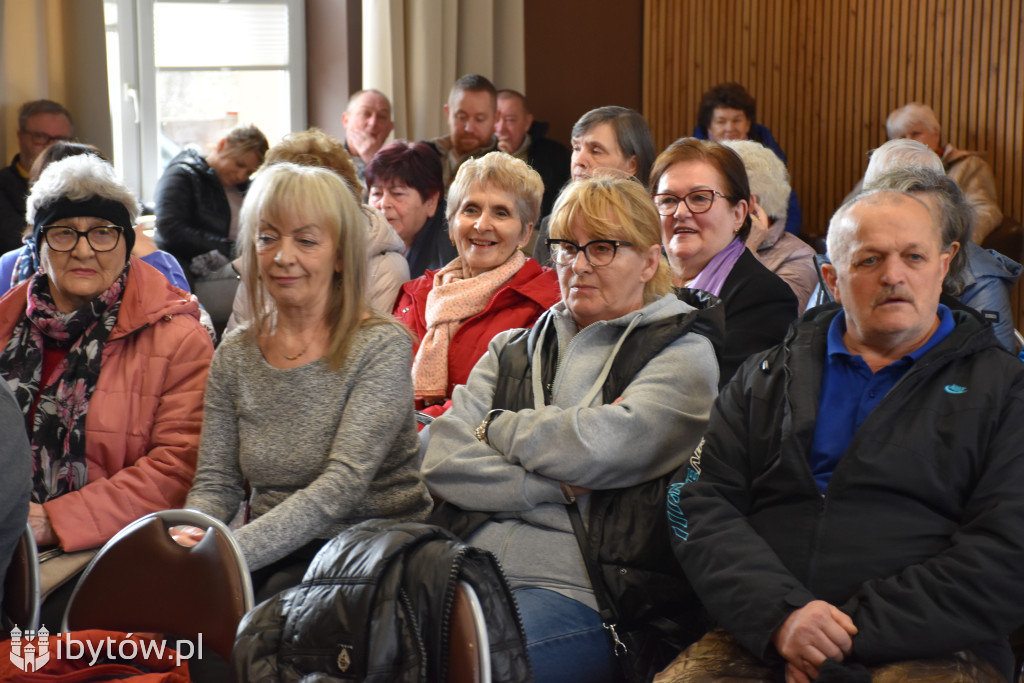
[
  {"x": 22, "y": 586},
  {"x": 468, "y": 647},
  {"x": 144, "y": 581}
]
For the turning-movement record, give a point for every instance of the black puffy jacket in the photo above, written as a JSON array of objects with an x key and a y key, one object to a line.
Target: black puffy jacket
[
  {"x": 192, "y": 212},
  {"x": 375, "y": 606}
]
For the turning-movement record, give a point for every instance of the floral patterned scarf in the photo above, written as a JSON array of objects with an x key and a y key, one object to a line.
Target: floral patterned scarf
[{"x": 57, "y": 431}]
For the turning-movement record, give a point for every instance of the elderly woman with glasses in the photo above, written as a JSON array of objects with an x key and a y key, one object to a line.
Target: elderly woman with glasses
[
  {"x": 611, "y": 388},
  {"x": 703, "y": 196},
  {"x": 106, "y": 359},
  {"x": 490, "y": 287}
]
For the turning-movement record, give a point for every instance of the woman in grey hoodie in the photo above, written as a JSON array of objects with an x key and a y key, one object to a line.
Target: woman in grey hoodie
[{"x": 567, "y": 436}]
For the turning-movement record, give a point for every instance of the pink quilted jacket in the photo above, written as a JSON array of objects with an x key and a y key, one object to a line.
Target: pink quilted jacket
[{"x": 142, "y": 430}]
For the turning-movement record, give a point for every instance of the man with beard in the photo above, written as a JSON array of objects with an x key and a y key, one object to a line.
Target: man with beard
[{"x": 472, "y": 105}]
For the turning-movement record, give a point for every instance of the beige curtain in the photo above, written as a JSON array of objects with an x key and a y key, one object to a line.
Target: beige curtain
[
  {"x": 32, "y": 62},
  {"x": 413, "y": 50}
]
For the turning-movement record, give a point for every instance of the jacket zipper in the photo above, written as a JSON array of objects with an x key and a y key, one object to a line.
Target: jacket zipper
[
  {"x": 515, "y": 606},
  {"x": 411, "y": 616},
  {"x": 449, "y": 600}
]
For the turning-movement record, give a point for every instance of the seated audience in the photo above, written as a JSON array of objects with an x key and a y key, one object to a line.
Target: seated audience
[
  {"x": 727, "y": 112},
  {"x": 16, "y": 484},
  {"x": 40, "y": 123},
  {"x": 198, "y": 200},
  {"x": 310, "y": 403},
  {"x": 702, "y": 193},
  {"x": 606, "y": 138},
  {"x": 781, "y": 252},
  {"x": 611, "y": 388},
  {"x": 489, "y": 287},
  {"x": 969, "y": 169},
  {"x": 367, "y": 123},
  {"x": 522, "y": 137},
  {"x": 387, "y": 268},
  {"x": 405, "y": 184},
  {"x": 856, "y": 497},
  {"x": 106, "y": 359},
  {"x": 471, "y": 109},
  {"x": 20, "y": 264}
]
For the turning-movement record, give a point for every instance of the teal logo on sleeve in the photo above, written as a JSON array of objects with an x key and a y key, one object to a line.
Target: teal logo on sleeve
[{"x": 955, "y": 389}]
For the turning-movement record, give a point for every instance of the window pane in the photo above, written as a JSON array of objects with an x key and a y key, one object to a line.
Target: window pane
[
  {"x": 204, "y": 35},
  {"x": 198, "y": 107}
]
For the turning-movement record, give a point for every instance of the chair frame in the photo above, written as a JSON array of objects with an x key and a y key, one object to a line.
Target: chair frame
[
  {"x": 168, "y": 518},
  {"x": 469, "y": 648},
  {"x": 28, "y": 553}
]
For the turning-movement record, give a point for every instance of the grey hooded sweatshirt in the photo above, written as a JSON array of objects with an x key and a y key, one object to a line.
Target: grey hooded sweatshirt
[{"x": 577, "y": 439}]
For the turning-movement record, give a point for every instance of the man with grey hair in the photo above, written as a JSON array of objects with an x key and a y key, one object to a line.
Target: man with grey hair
[
  {"x": 854, "y": 508},
  {"x": 471, "y": 109},
  {"x": 605, "y": 140},
  {"x": 980, "y": 279},
  {"x": 971, "y": 172},
  {"x": 40, "y": 124},
  {"x": 367, "y": 122}
]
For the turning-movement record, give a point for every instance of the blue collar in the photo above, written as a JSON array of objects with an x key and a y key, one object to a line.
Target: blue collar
[{"x": 837, "y": 328}]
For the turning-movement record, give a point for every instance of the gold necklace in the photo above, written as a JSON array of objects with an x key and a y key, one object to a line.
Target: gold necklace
[{"x": 299, "y": 354}]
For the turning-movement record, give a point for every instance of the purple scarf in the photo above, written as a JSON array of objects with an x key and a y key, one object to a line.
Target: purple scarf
[{"x": 713, "y": 276}]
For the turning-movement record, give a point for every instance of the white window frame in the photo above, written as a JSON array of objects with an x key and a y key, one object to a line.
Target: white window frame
[{"x": 139, "y": 134}]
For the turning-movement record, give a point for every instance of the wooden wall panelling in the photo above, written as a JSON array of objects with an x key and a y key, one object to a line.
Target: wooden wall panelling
[{"x": 826, "y": 75}]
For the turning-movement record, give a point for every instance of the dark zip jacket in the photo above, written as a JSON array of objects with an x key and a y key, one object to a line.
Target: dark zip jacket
[
  {"x": 193, "y": 216},
  {"x": 918, "y": 536}
]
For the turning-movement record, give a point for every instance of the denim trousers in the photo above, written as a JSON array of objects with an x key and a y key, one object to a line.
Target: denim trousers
[{"x": 565, "y": 639}]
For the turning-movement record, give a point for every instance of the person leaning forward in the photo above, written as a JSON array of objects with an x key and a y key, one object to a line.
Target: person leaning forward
[{"x": 856, "y": 497}]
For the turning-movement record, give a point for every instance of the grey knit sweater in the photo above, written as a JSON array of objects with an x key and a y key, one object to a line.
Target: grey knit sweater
[{"x": 321, "y": 450}]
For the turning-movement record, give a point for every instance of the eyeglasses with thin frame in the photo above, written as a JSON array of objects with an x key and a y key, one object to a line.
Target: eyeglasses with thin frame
[
  {"x": 597, "y": 252},
  {"x": 698, "y": 201},
  {"x": 100, "y": 238},
  {"x": 40, "y": 138}
]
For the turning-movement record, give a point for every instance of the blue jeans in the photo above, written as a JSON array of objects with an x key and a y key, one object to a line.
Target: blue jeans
[{"x": 565, "y": 639}]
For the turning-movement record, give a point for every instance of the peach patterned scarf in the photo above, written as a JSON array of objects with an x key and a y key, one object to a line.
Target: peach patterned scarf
[{"x": 454, "y": 298}]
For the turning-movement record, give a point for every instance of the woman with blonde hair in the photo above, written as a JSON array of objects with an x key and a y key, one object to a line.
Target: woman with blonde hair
[
  {"x": 310, "y": 403},
  {"x": 386, "y": 264},
  {"x": 491, "y": 286},
  {"x": 611, "y": 388}
]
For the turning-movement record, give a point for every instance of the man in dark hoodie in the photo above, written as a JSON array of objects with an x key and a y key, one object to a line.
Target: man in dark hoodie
[{"x": 855, "y": 503}]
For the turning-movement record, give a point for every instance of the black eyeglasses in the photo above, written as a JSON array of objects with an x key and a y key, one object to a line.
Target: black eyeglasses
[
  {"x": 64, "y": 238},
  {"x": 698, "y": 201},
  {"x": 41, "y": 138},
  {"x": 598, "y": 252}
]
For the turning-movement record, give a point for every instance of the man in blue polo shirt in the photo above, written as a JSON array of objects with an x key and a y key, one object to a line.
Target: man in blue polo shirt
[{"x": 855, "y": 505}]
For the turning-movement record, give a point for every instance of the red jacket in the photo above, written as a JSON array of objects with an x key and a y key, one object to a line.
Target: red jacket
[
  {"x": 519, "y": 303},
  {"x": 142, "y": 429}
]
